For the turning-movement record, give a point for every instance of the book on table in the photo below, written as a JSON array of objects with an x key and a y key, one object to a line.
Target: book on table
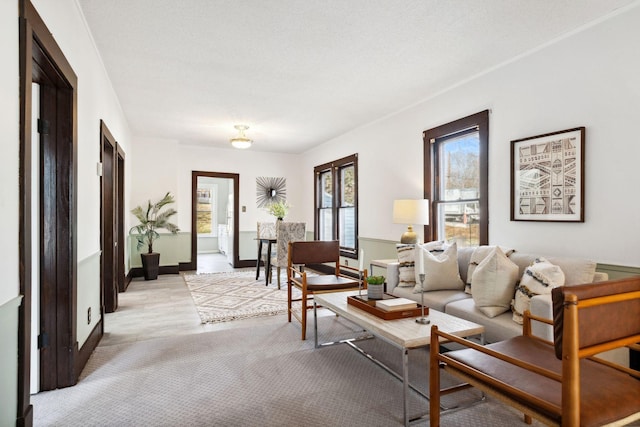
[{"x": 396, "y": 304}]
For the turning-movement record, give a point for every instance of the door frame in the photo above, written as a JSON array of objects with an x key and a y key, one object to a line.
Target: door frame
[
  {"x": 42, "y": 60},
  {"x": 121, "y": 281},
  {"x": 108, "y": 222},
  {"x": 237, "y": 263}
]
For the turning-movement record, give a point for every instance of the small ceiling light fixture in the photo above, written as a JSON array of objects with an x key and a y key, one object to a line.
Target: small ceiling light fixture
[{"x": 241, "y": 141}]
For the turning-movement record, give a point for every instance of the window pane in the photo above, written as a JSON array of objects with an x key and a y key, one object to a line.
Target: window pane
[
  {"x": 348, "y": 227},
  {"x": 203, "y": 211},
  {"x": 348, "y": 186},
  {"x": 459, "y": 222},
  {"x": 326, "y": 186},
  {"x": 460, "y": 168},
  {"x": 326, "y": 224}
]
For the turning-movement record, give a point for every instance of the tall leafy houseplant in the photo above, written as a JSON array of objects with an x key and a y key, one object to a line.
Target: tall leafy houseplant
[{"x": 152, "y": 219}]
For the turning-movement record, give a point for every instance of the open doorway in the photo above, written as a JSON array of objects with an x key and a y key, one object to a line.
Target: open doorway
[
  {"x": 214, "y": 219},
  {"x": 214, "y": 223}
]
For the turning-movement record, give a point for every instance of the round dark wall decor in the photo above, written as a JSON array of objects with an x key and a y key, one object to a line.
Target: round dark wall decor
[{"x": 270, "y": 190}]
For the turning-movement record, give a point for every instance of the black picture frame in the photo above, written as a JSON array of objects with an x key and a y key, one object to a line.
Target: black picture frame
[{"x": 547, "y": 177}]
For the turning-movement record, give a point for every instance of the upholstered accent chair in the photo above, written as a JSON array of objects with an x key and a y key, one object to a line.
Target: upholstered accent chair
[
  {"x": 301, "y": 254},
  {"x": 285, "y": 232},
  {"x": 266, "y": 230},
  {"x": 560, "y": 382}
]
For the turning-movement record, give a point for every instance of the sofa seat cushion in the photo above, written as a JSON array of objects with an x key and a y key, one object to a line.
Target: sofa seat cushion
[
  {"x": 436, "y": 300},
  {"x": 497, "y": 328}
]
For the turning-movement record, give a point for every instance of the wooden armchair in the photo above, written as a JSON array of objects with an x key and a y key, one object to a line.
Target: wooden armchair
[
  {"x": 558, "y": 383},
  {"x": 316, "y": 252}
]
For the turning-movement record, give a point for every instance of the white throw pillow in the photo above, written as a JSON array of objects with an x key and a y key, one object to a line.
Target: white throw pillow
[
  {"x": 493, "y": 283},
  {"x": 538, "y": 279},
  {"x": 441, "y": 269},
  {"x": 480, "y": 253},
  {"x": 406, "y": 259}
]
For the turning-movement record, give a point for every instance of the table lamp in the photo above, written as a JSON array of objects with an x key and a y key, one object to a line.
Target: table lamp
[{"x": 410, "y": 212}]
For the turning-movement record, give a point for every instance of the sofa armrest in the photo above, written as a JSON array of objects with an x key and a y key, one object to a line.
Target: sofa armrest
[
  {"x": 600, "y": 277},
  {"x": 542, "y": 306},
  {"x": 393, "y": 276}
]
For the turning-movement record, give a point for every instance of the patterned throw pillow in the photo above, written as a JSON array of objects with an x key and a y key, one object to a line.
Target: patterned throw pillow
[
  {"x": 538, "y": 279},
  {"x": 493, "y": 283},
  {"x": 440, "y": 267},
  {"x": 406, "y": 259}
]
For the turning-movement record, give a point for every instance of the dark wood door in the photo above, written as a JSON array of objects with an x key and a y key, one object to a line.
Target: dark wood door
[
  {"x": 48, "y": 331},
  {"x": 119, "y": 216},
  {"x": 42, "y": 62},
  {"x": 109, "y": 282},
  {"x": 57, "y": 342}
]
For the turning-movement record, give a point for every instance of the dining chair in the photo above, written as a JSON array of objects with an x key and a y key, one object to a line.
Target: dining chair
[
  {"x": 285, "y": 232},
  {"x": 302, "y": 254}
]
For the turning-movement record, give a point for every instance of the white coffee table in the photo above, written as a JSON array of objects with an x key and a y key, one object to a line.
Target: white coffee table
[{"x": 406, "y": 334}]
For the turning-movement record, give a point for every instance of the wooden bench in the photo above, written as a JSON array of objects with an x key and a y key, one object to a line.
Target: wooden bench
[{"x": 558, "y": 383}]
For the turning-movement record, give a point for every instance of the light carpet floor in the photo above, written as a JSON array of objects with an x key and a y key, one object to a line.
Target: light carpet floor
[
  {"x": 222, "y": 297},
  {"x": 253, "y": 376}
]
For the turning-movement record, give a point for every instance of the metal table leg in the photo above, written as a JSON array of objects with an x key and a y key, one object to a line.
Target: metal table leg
[
  {"x": 315, "y": 324},
  {"x": 405, "y": 385},
  {"x": 259, "y": 256}
]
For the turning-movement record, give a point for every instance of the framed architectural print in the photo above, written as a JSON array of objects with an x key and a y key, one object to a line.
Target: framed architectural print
[{"x": 547, "y": 177}]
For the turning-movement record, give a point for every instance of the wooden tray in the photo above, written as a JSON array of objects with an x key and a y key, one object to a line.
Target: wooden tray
[{"x": 369, "y": 306}]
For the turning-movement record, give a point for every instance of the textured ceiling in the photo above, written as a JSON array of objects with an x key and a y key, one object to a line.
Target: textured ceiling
[{"x": 300, "y": 72}]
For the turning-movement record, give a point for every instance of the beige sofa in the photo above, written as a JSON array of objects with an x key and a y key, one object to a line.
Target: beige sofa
[{"x": 460, "y": 304}]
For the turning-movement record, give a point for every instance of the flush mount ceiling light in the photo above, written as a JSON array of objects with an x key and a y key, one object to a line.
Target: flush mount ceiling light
[{"x": 241, "y": 141}]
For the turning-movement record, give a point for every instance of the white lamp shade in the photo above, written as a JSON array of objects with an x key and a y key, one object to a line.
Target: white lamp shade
[{"x": 411, "y": 211}]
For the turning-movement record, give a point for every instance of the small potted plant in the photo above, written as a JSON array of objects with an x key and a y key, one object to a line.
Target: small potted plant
[
  {"x": 151, "y": 219},
  {"x": 375, "y": 287},
  {"x": 279, "y": 209}
]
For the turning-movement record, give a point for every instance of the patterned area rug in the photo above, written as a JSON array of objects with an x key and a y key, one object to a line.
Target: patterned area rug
[{"x": 222, "y": 297}]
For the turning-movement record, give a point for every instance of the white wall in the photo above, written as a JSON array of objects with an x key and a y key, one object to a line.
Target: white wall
[
  {"x": 590, "y": 79},
  {"x": 96, "y": 100},
  {"x": 9, "y": 194},
  {"x": 9, "y": 123},
  {"x": 166, "y": 165}
]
